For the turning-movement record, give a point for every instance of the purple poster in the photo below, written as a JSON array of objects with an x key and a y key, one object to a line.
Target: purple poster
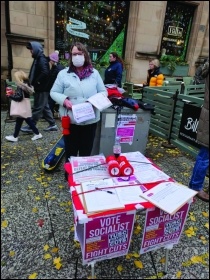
[
  {"x": 162, "y": 228},
  {"x": 107, "y": 236},
  {"x": 126, "y": 128}
]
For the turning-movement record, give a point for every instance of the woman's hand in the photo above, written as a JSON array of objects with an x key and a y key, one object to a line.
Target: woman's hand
[{"x": 67, "y": 104}]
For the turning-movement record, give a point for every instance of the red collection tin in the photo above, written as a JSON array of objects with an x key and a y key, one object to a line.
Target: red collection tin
[
  {"x": 125, "y": 168},
  {"x": 113, "y": 166}
]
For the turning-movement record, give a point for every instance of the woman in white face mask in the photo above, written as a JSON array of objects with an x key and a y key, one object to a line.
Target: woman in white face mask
[{"x": 73, "y": 86}]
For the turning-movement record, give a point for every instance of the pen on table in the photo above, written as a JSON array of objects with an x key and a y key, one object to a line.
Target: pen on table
[{"x": 104, "y": 190}]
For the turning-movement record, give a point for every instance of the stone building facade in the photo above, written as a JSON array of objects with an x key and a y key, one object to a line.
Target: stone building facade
[{"x": 24, "y": 21}]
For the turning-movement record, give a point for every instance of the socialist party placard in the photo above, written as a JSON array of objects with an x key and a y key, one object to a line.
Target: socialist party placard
[
  {"x": 107, "y": 236},
  {"x": 162, "y": 228}
]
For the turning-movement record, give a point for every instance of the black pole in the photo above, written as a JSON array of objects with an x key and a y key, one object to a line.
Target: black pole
[
  {"x": 9, "y": 47},
  {"x": 182, "y": 88},
  {"x": 9, "y": 56}
]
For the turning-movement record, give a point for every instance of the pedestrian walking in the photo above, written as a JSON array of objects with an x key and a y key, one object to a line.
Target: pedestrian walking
[
  {"x": 55, "y": 68},
  {"x": 24, "y": 90},
  {"x": 202, "y": 160},
  {"x": 38, "y": 76}
]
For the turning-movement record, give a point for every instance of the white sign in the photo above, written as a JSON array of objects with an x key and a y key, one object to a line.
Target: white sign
[{"x": 79, "y": 25}]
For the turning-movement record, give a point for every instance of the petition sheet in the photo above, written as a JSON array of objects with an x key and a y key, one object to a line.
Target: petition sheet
[
  {"x": 89, "y": 168},
  {"x": 83, "y": 112},
  {"x": 144, "y": 170},
  {"x": 98, "y": 198},
  {"x": 147, "y": 173},
  {"x": 130, "y": 195},
  {"x": 169, "y": 196}
]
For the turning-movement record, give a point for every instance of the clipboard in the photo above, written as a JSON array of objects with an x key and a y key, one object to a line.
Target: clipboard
[{"x": 97, "y": 199}]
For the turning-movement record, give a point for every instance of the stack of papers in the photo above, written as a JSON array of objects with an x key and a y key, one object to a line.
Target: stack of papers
[
  {"x": 107, "y": 194},
  {"x": 144, "y": 170},
  {"x": 98, "y": 191},
  {"x": 100, "y": 101},
  {"x": 98, "y": 198},
  {"x": 169, "y": 196},
  {"x": 89, "y": 168}
]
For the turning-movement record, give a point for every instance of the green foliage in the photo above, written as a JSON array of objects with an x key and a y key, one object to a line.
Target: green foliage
[
  {"x": 97, "y": 64},
  {"x": 64, "y": 62},
  {"x": 116, "y": 46},
  {"x": 171, "y": 62}
]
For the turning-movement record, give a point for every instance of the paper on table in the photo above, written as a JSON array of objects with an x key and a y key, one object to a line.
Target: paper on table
[
  {"x": 130, "y": 195},
  {"x": 83, "y": 112},
  {"x": 100, "y": 101},
  {"x": 138, "y": 161},
  {"x": 169, "y": 196},
  {"x": 89, "y": 168},
  {"x": 97, "y": 200},
  {"x": 126, "y": 195},
  {"x": 136, "y": 156},
  {"x": 78, "y": 189},
  {"x": 150, "y": 174}
]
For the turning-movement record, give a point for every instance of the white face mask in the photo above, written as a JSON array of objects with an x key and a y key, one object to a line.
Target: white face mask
[{"x": 78, "y": 60}]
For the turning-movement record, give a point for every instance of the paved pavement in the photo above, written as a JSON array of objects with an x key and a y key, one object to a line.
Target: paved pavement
[{"x": 37, "y": 219}]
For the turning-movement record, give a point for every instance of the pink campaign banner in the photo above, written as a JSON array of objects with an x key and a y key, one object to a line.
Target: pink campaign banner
[
  {"x": 126, "y": 134},
  {"x": 125, "y": 131},
  {"x": 162, "y": 228},
  {"x": 108, "y": 236}
]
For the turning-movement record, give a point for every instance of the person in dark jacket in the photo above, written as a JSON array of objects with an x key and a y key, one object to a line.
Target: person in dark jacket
[
  {"x": 56, "y": 67},
  {"x": 38, "y": 76},
  {"x": 198, "y": 78},
  {"x": 113, "y": 73},
  {"x": 202, "y": 161},
  {"x": 24, "y": 89}
]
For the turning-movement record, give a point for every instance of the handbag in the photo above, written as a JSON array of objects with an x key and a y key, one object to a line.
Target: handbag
[{"x": 21, "y": 109}]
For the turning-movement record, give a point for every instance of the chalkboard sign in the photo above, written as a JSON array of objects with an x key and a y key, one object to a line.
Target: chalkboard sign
[{"x": 189, "y": 124}]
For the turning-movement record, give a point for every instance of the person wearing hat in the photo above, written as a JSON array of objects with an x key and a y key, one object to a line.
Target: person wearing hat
[
  {"x": 55, "y": 68},
  {"x": 38, "y": 76}
]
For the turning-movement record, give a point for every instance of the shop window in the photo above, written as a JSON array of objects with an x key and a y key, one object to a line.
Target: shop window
[
  {"x": 176, "y": 30},
  {"x": 100, "y": 25}
]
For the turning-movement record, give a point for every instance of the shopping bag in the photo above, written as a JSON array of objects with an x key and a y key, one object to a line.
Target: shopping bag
[{"x": 21, "y": 109}]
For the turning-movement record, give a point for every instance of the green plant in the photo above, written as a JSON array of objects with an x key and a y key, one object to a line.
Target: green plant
[
  {"x": 64, "y": 62},
  {"x": 99, "y": 64},
  {"x": 171, "y": 62}
]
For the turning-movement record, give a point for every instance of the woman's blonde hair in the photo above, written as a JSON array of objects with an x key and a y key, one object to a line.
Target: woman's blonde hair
[
  {"x": 21, "y": 76},
  {"x": 156, "y": 62}
]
